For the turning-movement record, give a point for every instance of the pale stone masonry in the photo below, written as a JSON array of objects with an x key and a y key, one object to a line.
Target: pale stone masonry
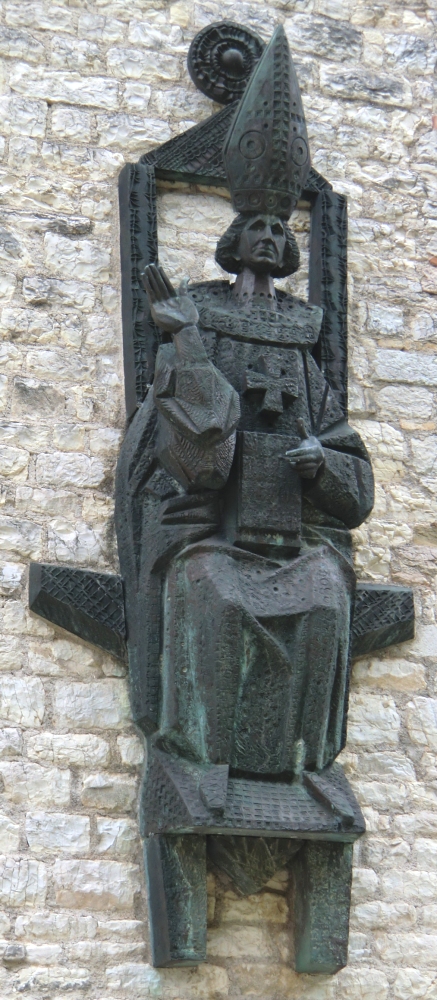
[{"x": 86, "y": 86}]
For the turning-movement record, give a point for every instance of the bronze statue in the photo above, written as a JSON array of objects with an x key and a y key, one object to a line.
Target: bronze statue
[{"x": 238, "y": 482}]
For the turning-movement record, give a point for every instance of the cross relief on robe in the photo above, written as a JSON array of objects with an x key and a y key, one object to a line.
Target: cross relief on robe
[{"x": 270, "y": 376}]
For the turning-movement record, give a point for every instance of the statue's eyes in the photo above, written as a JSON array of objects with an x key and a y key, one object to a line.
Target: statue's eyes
[
  {"x": 257, "y": 226},
  {"x": 277, "y": 230}
]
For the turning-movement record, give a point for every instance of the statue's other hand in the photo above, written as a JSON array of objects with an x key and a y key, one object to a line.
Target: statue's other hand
[
  {"x": 171, "y": 311},
  {"x": 308, "y": 457}
]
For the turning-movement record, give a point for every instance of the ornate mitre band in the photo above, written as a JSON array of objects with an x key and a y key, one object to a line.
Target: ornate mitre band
[{"x": 266, "y": 151}]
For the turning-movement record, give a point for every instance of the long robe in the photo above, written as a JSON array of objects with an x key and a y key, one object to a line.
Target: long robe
[{"x": 238, "y": 575}]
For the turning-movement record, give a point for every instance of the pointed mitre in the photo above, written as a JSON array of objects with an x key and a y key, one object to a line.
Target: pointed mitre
[{"x": 266, "y": 150}]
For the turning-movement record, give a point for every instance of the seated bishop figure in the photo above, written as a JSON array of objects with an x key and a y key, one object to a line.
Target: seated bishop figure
[{"x": 238, "y": 483}]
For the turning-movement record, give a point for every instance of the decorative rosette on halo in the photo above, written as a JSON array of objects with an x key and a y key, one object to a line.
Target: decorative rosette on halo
[{"x": 266, "y": 151}]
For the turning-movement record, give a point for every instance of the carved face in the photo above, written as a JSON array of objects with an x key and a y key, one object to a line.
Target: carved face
[{"x": 262, "y": 244}]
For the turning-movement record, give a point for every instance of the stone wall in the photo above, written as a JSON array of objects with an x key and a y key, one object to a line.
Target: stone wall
[{"x": 86, "y": 86}]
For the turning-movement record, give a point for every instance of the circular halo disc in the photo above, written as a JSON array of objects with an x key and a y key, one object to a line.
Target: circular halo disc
[{"x": 221, "y": 60}]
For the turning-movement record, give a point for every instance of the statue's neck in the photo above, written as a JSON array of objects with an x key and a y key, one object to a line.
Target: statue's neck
[{"x": 250, "y": 287}]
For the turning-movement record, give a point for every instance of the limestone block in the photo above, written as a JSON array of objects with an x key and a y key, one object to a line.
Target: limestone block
[
  {"x": 360, "y": 84},
  {"x": 37, "y": 15},
  {"x": 53, "y": 978},
  {"x": 429, "y": 915},
  {"x": 383, "y": 319},
  {"x": 131, "y": 749},
  {"x": 98, "y": 705},
  {"x": 11, "y": 653},
  {"x": 20, "y": 45},
  {"x": 167, "y": 37},
  {"x": 139, "y": 65},
  {"x": 107, "y": 951},
  {"x": 69, "y": 437},
  {"x": 239, "y": 942},
  {"x": 136, "y": 96},
  {"x": 70, "y": 53},
  {"x": 424, "y": 454},
  {"x": 105, "y": 441},
  {"x": 424, "y": 854},
  {"x": 4, "y": 392},
  {"x": 323, "y": 37},
  {"x": 40, "y": 291},
  {"x": 410, "y": 948},
  {"x": 10, "y": 357},
  {"x": 385, "y": 764},
  {"x": 8, "y": 283},
  {"x": 64, "y": 87},
  {"x": 410, "y": 54},
  {"x": 382, "y": 795},
  {"x": 71, "y": 123},
  {"x": 57, "y": 832},
  {"x": 116, "y": 792},
  {"x": 23, "y": 115},
  {"x": 131, "y": 132},
  {"x": 117, "y": 837},
  {"x": 386, "y": 446},
  {"x": 377, "y": 915},
  {"x": 9, "y": 835},
  {"x": 100, "y": 334},
  {"x": 22, "y": 883},
  {"x": 11, "y": 744},
  {"x": 426, "y": 640},
  {"x": 43, "y": 954},
  {"x": 140, "y": 980},
  {"x": 68, "y": 749},
  {"x": 26, "y": 325},
  {"x": 362, "y": 984},
  {"x": 409, "y": 886},
  {"x": 422, "y": 326},
  {"x": 96, "y": 885},
  {"x": 79, "y": 258},
  {"x": 81, "y": 161},
  {"x": 421, "y": 721},
  {"x": 47, "y": 925},
  {"x": 33, "y": 439},
  {"x": 99, "y": 208},
  {"x": 11, "y": 577},
  {"x": 22, "y": 700},
  {"x": 23, "y": 152},
  {"x": 69, "y": 470},
  {"x": 35, "y": 786},
  {"x": 405, "y": 402},
  {"x": 23, "y": 538},
  {"x": 100, "y": 29},
  {"x": 365, "y": 884},
  {"x": 406, "y": 366},
  {"x": 397, "y": 675},
  {"x": 373, "y": 719},
  {"x": 260, "y": 908},
  {"x": 14, "y": 463},
  {"x": 74, "y": 544},
  {"x": 31, "y": 397},
  {"x": 422, "y": 823},
  {"x": 120, "y": 929},
  {"x": 45, "y": 363},
  {"x": 412, "y": 984}
]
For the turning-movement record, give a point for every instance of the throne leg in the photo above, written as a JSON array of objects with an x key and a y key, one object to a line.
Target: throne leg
[
  {"x": 176, "y": 877},
  {"x": 322, "y": 885}
]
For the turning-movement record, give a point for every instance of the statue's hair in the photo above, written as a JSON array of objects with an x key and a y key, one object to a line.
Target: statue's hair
[{"x": 227, "y": 249}]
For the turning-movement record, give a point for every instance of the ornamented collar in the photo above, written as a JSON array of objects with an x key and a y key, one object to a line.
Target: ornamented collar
[{"x": 293, "y": 323}]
